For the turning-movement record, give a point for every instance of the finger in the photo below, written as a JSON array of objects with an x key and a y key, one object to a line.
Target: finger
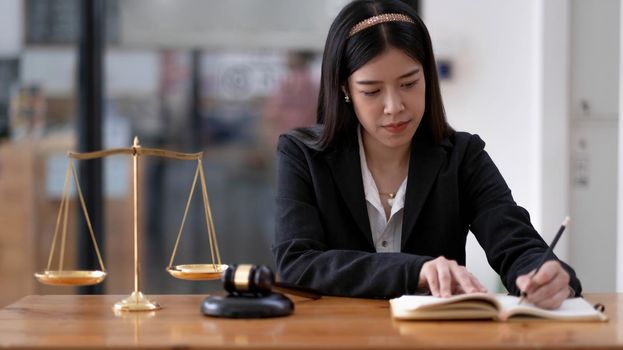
[
  {"x": 547, "y": 272},
  {"x": 523, "y": 282},
  {"x": 457, "y": 289},
  {"x": 545, "y": 292},
  {"x": 551, "y": 274},
  {"x": 463, "y": 278},
  {"x": 481, "y": 288},
  {"x": 445, "y": 280},
  {"x": 554, "y": 301},
  {"x": 433, "y": 283},
  {"x": 559, "y": 282}
]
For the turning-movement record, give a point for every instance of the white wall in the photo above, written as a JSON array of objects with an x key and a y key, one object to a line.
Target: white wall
[
  {"x": 553, "y": 115},
  {"x": 492, "y": 93},
  {"x": 594, "y": 104}
]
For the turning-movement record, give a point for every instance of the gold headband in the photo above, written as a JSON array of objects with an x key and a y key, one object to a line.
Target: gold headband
[{"x": 378, "y": 19}]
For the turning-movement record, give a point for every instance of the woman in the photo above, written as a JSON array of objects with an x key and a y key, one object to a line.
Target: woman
[{"x": 377, "y": 199}]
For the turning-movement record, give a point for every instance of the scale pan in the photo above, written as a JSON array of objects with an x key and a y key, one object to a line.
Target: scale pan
[
  {"x": 197, "y": 272},
  {"x": 71, "y": 278}
]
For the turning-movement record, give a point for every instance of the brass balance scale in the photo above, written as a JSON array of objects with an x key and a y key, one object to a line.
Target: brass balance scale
[{"x": 137, "y": 301}]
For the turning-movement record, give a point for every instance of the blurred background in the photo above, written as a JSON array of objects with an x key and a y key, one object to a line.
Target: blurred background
[{"x": 537, "y": 80}]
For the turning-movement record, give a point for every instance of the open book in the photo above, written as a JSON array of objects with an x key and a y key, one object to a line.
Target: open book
[{"x": 488, "y": 306}]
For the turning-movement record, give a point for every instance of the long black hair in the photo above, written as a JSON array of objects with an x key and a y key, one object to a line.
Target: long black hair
[{"x": 343, "y": 55}]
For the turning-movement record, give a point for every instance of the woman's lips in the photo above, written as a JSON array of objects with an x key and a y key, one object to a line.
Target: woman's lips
[{"x": 397, "y": 127}]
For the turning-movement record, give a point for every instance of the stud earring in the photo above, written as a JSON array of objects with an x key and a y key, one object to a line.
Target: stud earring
[{"x": 346, "y": 97}]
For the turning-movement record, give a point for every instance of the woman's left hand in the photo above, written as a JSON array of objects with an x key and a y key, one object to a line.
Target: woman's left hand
[{"x": 548, "y": 288}]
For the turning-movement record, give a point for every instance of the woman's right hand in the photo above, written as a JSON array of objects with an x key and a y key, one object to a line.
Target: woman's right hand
[{"x": 443, "y": 278}]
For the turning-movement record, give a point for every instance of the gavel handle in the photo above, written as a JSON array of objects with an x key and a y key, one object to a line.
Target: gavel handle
[{"x": 294, "y": 289}]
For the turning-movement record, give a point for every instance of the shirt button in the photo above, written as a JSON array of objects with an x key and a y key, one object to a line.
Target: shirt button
[{"x": 384, "y": 243}]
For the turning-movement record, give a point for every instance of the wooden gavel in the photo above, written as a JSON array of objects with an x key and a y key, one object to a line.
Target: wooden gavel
[{"x": 259, "y": 280}]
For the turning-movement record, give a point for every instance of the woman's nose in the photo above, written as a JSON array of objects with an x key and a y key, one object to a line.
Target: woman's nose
[{"x": 393, "y": 103}]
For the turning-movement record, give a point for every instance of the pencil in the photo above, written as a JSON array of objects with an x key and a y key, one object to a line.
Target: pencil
[{"x": 547, "y": 253}]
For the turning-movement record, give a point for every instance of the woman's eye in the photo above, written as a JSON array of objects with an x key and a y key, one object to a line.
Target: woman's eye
[
  {"x": 370, "y": 93},
  {"x": 409, "y": 85}
]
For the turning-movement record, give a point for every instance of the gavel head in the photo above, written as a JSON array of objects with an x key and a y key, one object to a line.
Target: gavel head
[{"x": 247, "y": 279}]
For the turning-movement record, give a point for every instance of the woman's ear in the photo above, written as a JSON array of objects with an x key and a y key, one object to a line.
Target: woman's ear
[{"x": 345, "y": 90}]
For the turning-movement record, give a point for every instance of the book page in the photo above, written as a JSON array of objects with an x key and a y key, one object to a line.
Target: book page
[
  {"x": 574, "y": 309},
  {"x": 464, "y": 306},
  {"x": 421, "y": 302}
]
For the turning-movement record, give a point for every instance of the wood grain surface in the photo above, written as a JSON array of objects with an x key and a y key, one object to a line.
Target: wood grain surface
[{"x": 74, "y": 321}]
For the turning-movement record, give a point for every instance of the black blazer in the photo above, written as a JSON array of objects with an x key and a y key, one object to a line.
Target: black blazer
[{"x": 323, "y": 238}]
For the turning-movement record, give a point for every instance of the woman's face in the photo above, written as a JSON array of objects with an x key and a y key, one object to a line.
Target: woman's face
[{"x": 388, "y": 94}]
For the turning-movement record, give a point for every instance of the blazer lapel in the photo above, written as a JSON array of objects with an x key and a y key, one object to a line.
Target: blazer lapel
[
  {"x": 424, "y": 164},
  {"x": 346, "y": 168}
]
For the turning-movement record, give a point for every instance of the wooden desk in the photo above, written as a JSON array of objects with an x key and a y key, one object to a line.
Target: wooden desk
[{"x": 329, "y": 323}]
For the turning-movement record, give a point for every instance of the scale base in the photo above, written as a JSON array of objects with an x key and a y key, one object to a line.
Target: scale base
[{"x": 136, "y": 302}]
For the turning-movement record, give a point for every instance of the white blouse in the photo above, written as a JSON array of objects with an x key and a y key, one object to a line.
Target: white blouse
[{"x": 386, "y": 234}]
